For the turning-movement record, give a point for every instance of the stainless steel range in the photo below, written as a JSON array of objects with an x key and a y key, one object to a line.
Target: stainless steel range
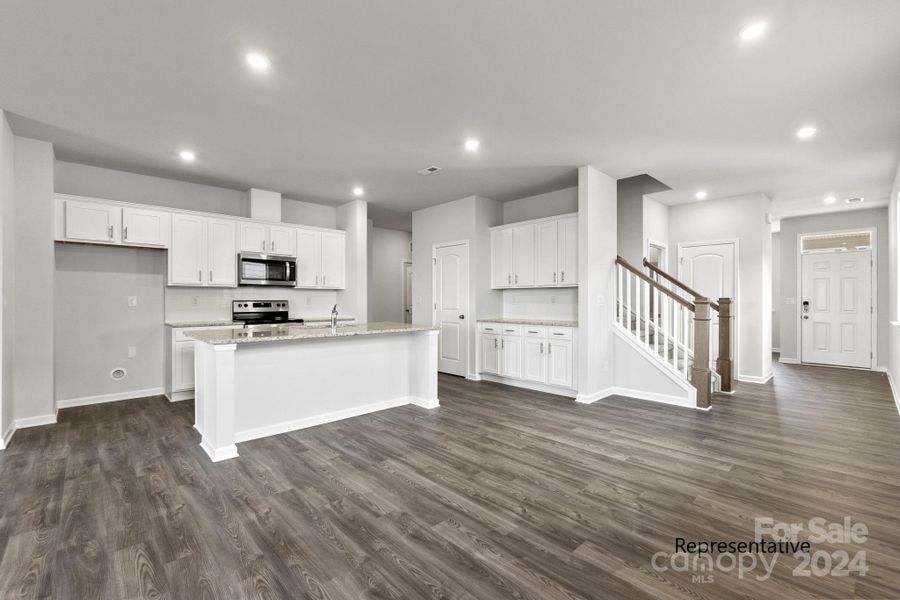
[{"x": 262, "y": 312}]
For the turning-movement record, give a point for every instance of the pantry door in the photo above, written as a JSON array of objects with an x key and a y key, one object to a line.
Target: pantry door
[{"x": 451, "y": 306}]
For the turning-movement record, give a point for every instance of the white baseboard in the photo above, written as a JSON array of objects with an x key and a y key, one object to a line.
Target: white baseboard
[
  {"x": 789, "y": 361},
  {"x": 893, "y": 390},
  {"x": 530, "y": 385},
  {"x": 180, "y": 396},
  {"x": 114, "y": 397},
  {"x": 475, "y": 377},
  {"x": 591, "y": 398},
  {"x": 35, "y": 421},
  {"x": 880, "y": 369},
  {"x": 756, "y": 379},
  {"x": 295, "y": 424},
  {"x": 7, "y": 435},
  {"x": 654, "y": 397},
  {"x": 424, "y": 403},
  {"x": 217, "y": 454}
]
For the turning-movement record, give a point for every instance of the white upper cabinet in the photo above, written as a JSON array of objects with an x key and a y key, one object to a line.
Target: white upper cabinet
[
  {"x": 93, "y": 222},
  {"x": 540, "y": 253},
  {"x": 546, "y": 247},
  {"x": 282, "y": 240},
  {"x": 142, "y": 227},
  {"x": 221, "y": 253},
  {"x": 268, "y": 239},
  {"x": 203, "y": 252},
  {"x": 568, "y": 251},
  {"x": 333, "y": 268},
  {"x": 254, "y": 237},
  {"x": 320, "y": 259},
  {"x": 187, "y": 251}
]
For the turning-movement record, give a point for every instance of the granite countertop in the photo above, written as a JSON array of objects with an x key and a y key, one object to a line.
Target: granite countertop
[
  {"x": 278, "y": 333},
  {"x": 226, "y": 322},
  {"x": 547, "y": 322}
]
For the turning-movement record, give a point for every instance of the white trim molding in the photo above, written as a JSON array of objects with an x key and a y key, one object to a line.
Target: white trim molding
[
  {"x": 529, "y": 385},
  {"x": 637, "y": 395},
  {"x": 893, "y": 389},
  {"x": 788, "y": 361},
  {"x": 7, "y": 435},
  {"x": 35, "y": 421},
  {"x": 114, "y": 397},
  {"x": 756, "y": 379}
]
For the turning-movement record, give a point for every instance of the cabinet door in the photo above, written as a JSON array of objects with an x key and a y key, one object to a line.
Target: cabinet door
[
  {"x": 523, "y": 255},
  {"x": 93, "y": 222},
  {"x": 501, "y": 258},
  {"x": 183, "y": 366},
  {"x": 143, "y": 227},
  {"x": 568, "y": 251},
  {"x": 282, "y": 241},
  {"x": 511, "y": 356},
  {"x": 309, "y": 258},
  {"x": 221, "y": 253},
  {"x": 561, "y": 368},
  {"x": 490, "y": 354},
  {"x": 333, "y": 248},
  {"x": 534, "y": 361},
  {"x": 187, "y": 250},
  {"x": 545, "y": 251},
  {"x": 254, "y": 238}
]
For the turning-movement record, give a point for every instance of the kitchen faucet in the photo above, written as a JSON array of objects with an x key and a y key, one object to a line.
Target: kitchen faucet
[{"x": 334, "y": 316}]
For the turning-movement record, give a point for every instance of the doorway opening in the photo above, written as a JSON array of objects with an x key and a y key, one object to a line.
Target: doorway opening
[{"x": 837, "y": 298}]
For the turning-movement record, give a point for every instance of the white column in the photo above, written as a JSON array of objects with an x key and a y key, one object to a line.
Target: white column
[
  {"x": 353, "y": 219},
  {"x": 597, "y": 246},
  {"x": 215, "y": 408},
  {"x": 424, "y": 386}
]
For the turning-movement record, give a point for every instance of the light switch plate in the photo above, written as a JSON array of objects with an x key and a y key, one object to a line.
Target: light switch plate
[
  {"x": 132, "y": 300},
  {"x": 132, "y": 351}
]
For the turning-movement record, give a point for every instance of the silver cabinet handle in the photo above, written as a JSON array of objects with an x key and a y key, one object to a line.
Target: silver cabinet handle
[
  {"x": 542, "y": 347},
  {"x": 200, "y": 275},
  {"x": 554, "y": 276},
  {"x": 323, "y": 280},
  {"x": 562, "y": 277},
  {"x": 264, "y": 245},
  {"x": 503, "y": 343},
  {"x": 549, "y": 348},
  {"x": 273, "y": 245},
  {"x": 495, "y": 342},
  {"x": 317, "y": 280},
  {"x": 125, "y": 232},
  {"x": 110, "y": 229},
  {"x": 517, "y": 279},
  {"x": 509, "y": 279},
  {"x": 210, "y": 276}
]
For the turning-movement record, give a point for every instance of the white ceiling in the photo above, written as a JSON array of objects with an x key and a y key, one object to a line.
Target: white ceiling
[{"x": 367, "y": 93}]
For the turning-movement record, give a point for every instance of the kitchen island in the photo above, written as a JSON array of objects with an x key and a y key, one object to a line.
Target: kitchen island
[{"x": 253, "y": 383}]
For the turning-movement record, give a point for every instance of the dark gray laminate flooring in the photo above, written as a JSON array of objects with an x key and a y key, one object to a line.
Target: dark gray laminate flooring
[{"x": 500, "y": 493}]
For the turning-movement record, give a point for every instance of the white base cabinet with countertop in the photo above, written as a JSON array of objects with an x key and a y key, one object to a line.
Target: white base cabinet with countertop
[{"x": 539, "y": 357}]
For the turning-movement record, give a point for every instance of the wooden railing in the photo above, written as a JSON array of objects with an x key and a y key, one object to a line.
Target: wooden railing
[{"x": 724, "y": 361}]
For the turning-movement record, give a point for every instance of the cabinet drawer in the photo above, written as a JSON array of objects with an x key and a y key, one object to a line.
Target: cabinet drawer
[
  {"x": 535, "y": 332},
  {"x": 490, "y": 327},
  {"x": 560, "y": 333},
  {"x": 507, "y": 329}
]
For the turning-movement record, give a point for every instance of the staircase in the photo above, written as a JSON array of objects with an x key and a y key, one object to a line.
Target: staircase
[{"x": 674, "y": 324}]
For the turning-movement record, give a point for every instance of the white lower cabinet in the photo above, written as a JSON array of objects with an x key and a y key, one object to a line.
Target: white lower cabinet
[
  {"x": 180, "y": 361},
  {"x": 533, "y": 355}
]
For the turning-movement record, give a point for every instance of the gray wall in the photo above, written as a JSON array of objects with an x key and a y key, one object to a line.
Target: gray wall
[
  {"x": 95, "y": 326},
  {"x": 388, "y": 249},
  {"x": 550, "y": 204},
  {"x": 7, "y": 280},
  {"x": 791, "y": 229},
  {"x": 742, "y": 218},
  {"x": 33, "y": 361}
]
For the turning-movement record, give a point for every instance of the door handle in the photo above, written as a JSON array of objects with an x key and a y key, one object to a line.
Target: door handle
[{"x": 462, "y": 316}]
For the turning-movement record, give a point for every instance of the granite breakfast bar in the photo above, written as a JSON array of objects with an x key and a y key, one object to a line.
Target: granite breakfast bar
[{"x": 253, "y": 383}]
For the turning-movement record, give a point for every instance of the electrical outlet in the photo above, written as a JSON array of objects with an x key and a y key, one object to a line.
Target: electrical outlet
[
  {"x": 132, "y": 351},
  {"x": 132, "y": 300}
]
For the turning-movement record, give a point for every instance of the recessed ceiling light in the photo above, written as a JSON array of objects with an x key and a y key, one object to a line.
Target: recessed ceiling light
[
  {"x": 187, "y": 155},
  {"x": 753, "y": 30},
  {"x": 358, "y": 191},
  {"x": 806, "y": 132},
  {"x": 830, "y": 199},
  {"x": 257, "y": 61},
  {"x": 700, "y": 195},
  {"x": 472, "y": 145}
]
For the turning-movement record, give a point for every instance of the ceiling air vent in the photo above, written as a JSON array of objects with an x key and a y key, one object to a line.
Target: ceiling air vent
[
  {"x": 429, "y": 170},
  {"x": 856, "y": 200}
]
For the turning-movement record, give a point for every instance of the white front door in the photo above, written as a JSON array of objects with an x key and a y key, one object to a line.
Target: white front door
[
  {"x": 451, "y": 306},
  {"x": 711, "y": 270},
  {"x": 836, "y": 308}
]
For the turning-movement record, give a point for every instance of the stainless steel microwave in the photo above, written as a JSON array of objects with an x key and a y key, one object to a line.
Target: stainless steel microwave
[{"x": 255, "y": 268}]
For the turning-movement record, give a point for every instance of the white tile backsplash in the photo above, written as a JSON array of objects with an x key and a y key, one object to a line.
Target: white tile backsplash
[
  {"x": 549, "y": 303},
  {"x": 197, "y": 304}
]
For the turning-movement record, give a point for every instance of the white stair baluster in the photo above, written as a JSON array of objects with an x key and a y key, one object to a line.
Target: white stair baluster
[
  {"x": 629, "y": 276},
  {"x": 637, "y": 306},
  {"x": 647, "y": 315},
  {"x": 656, "y": 322},
  {"x": 621, "y": 305},
  {"x": 675, "y": 318}
]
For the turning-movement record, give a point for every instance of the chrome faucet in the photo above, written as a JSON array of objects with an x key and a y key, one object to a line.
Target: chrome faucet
[{"x": 334, "y": 316}]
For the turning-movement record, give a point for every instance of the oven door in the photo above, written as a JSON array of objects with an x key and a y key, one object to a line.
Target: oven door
[{"x": 260, "y": 269}]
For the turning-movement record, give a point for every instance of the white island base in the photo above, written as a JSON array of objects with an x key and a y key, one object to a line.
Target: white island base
[{"x": 257, "y": 386}]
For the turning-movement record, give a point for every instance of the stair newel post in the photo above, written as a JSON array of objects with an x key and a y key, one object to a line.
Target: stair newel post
[
  {"x": 701, "y": 377},
  {"x": 724, "y": 362}
]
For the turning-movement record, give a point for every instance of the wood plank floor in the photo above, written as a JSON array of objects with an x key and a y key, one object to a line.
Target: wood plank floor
[{"x": 500, "y": 493}]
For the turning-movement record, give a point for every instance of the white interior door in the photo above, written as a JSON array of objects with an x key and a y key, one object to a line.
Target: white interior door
[
  {"x": 451, "y": 306},
  {"x": 836, "y": 308},
  {"x": 711, "y": 270}
]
